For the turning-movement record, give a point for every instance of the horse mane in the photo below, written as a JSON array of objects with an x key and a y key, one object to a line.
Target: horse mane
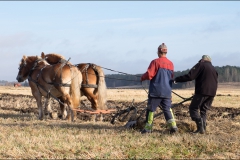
[
  {"x": 29, "y": 59},
  {"x": 52, "y": 58},
  {"x": 32, "y": 59}
]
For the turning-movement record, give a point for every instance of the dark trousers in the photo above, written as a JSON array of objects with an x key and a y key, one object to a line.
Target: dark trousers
[
  {"x": 165, "y": 104},
  {"x": 200, "y": 103}
]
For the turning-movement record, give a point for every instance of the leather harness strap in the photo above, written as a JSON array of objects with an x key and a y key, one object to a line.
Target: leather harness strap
[
  {"x": 63, "y": 62},
  {"x": 53, "y": 83},
  {"x": 85, "y": 70},
  {"x": 30, "y": 79}
]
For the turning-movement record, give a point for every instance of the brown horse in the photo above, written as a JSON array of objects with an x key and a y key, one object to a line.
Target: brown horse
[
  {"x": 93, "y": 84},
  {"x": 61, "y": 81}
]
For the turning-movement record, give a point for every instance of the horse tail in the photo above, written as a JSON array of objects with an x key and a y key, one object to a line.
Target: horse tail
[
  {"x": 102, "y": 89},
  {"x": 76, "y": 80}
]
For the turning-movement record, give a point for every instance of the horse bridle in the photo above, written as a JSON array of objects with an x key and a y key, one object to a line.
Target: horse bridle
[
  {"x": 34, "y": 65},
  {"x": 22, "y": 66}
]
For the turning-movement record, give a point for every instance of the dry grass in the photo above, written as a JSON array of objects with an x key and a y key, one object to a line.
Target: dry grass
[
  {"x": 17, "y": 90},
  {"x": 23, "y": 136}
]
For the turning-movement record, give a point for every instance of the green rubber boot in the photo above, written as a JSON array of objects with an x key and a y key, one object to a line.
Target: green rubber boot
[
  {"x": 172, "y": 124},
  {"x": 149, "y": 124}
]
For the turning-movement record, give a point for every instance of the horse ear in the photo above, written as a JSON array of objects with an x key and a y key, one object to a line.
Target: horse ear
[
  {"x": 24, "y": 57},
  {"x": 43, "y": 55}
]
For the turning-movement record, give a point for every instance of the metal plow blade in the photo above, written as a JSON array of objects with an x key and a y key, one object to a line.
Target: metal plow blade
[{"x": 130, "y": 124}]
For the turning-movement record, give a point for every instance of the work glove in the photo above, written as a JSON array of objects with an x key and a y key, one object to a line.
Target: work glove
[{"x": 173, "y": 81}]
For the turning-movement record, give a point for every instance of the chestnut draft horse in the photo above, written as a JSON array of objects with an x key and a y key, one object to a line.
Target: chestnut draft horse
[
  {"x": 93, "y": 81},
  {"x": 61, "y": 81}
]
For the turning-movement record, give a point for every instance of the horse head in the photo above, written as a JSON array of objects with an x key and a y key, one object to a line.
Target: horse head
[{"x": 27, "y": 65}]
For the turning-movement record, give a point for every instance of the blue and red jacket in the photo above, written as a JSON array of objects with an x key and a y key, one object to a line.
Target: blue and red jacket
[{"x": 160, "y": 74}]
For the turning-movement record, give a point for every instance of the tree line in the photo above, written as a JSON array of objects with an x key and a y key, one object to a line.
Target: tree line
[{"x": 225, "y": 74}]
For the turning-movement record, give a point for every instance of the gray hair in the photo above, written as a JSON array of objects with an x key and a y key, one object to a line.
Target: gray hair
[{"x": 206, "y": 58}]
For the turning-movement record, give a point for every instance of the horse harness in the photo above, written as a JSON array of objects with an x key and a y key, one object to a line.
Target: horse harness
[
  {"x": 63, "y": 62},
  {"x": 39, "y": 85},
  {"x": 85, "y": 70}
]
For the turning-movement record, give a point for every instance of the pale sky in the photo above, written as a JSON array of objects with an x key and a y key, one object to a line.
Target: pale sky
[{"x": 119, "y": 35}]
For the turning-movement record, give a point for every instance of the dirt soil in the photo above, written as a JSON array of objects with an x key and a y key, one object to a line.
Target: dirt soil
[{"x": 27, "y": 104}]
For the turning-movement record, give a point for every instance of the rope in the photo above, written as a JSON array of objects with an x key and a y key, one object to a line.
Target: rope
[
  {"x": 119, "y": 71},
  {"x": 126, "y": 79},
  {"x": 120, "y": 78}
]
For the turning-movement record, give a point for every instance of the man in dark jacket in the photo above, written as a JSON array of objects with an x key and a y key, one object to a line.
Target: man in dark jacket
[
  {"x": 160, "y": 74},
  {"x": 206, "y": 82}
]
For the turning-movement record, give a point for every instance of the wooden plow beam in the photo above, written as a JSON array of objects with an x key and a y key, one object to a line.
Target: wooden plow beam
[{"x": 108, "y": 111}]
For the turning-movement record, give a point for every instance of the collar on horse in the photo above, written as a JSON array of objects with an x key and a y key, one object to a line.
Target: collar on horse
[{"x": 63, "y": 62}]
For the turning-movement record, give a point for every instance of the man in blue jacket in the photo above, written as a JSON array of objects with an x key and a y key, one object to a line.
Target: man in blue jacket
[
  {"x": 160, "y": 74},
  {"x": 206, "y": 82}
]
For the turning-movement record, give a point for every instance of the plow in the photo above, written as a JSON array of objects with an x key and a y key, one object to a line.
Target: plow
[{"x": 134, "y": 115}]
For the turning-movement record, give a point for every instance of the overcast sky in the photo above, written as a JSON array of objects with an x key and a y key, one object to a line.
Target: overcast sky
[{"x": 119, "y": 35}]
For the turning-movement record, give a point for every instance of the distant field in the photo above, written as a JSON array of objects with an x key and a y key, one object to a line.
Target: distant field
[{"x": 228, "y": 94}]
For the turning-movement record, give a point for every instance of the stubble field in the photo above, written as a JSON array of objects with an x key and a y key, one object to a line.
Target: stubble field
[{"x": 24, "y": 136}]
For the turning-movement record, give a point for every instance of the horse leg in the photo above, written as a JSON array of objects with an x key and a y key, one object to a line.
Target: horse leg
[
  {"x": 71, "y": 112},
  {"x": 39, "y": 104},
  {"x": 91, "y": 97},
  {"x": 63, "y": 112},
  {"x": 70, "y": 107},
  {"x": 94, "y": 103},
  {"x": 48, "y": 107},
  {"x": 88, "y": 92}
]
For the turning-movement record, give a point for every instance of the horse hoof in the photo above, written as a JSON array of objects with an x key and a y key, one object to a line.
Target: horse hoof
[{"x": 53, "y": 115}]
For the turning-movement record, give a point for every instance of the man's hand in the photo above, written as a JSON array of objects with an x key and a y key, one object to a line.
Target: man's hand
[{"x": 173, "y": 81}]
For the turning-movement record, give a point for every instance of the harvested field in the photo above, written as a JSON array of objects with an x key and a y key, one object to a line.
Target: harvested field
[
  {"x": 24, "y": 136},
  {"x": 27, "y": 104}
]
